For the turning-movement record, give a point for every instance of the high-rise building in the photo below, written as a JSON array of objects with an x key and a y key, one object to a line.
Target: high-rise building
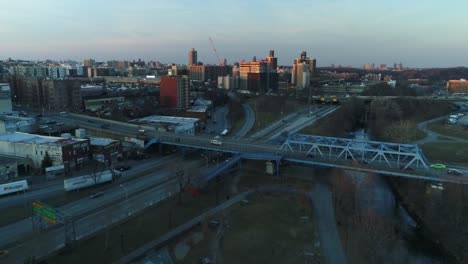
[
  {"x": 46, "y": 95},
  {"x": 193, "y": 57},
  {"x": 89, "y": 63},
  {"x": 299, "y": 77},
  {"x": 123, "y": 64},
  {"x": 58, "y": 72},
  {"x": 272, "y": 74},
  {"x": 258, "y": 75},
  {"x": 174, "y": 91}
]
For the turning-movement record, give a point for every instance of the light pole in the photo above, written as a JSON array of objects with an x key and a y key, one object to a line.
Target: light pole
[{"x": 126, "y": 192}]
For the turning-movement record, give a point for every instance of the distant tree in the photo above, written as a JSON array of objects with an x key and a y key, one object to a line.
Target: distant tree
[{"x": 46, "y": 161}]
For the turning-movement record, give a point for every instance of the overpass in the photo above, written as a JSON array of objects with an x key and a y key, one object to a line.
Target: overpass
[
  {"x": 390, "y": 159},
  {"x": 393, "y": 159}
]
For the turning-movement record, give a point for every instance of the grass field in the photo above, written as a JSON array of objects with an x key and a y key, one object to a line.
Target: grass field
[
  {"x": 449, "y": 130},
  {"x": 447, "y": 152},
  {"x": 271, "y": 228},
  {"x": 145, "y": 227}
]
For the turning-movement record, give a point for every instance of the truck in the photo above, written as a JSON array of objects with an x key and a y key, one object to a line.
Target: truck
[
  {"x": 216, "y": 141},
  {"x": 13, "y": 187},
  {"x": 81, "y": 182}
]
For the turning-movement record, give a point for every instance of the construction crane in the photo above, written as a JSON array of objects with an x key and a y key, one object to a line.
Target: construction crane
[{"x": 221, "y": 63}]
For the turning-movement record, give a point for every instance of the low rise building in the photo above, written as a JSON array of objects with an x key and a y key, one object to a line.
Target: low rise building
[
  {"x": 178, "y": 125},
  {"x": 8, "y": 169},
  {"x": 72, "y": 153},
  {"x": 106, "y": 150}
]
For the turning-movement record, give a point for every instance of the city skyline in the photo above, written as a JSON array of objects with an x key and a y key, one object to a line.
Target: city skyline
[{"x": 419, "y": 34}]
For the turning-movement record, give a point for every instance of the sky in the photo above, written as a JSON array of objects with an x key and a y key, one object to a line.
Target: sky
[{"x": 418, "y": 33}]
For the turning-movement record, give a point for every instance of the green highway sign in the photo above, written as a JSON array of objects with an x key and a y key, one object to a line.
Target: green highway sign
[{"x": 48, "y": 213}]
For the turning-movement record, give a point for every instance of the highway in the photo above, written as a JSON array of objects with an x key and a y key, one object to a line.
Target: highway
[
  {"x": 292, "y": 123},
  {"x": 300, "y": 121},
  {"x": 93, "y": 215},
  {"x": 56, "y": 187},
  {"x": 11, "y": 233},
  {"x": 248, "y": 122}
]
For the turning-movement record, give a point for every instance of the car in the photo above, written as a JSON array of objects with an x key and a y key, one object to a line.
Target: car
[
  {"x": 106, "y": 126},
  {"x": 95, "y": 195},
  {"x": 4, "y": 253},
  {"x": 123, "y": 168},
  {"x": 438, "y": 166},
  {"x": 454, "y": 172},
  {"x": 437, "y": 186}
]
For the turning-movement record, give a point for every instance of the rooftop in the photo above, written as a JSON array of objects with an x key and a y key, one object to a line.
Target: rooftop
[
  {"x": 167, "y": 119},
  {"x": 19, "y": 137},
  {"x": 101, "y": 141}
]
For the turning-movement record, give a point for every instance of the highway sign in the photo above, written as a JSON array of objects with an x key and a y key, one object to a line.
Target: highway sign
[{"x": 46, "y": 212}]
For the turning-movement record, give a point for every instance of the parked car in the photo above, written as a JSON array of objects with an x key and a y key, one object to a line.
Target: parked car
[
  {"x": 438, "y": 166},
  {"x": 454, "y": 172}
]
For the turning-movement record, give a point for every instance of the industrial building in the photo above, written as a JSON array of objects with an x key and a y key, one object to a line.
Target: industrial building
[
  {"x": 15, "y": 123},
  {"x": 69, "y": 152},
  {"x": 8, "y": 168}
]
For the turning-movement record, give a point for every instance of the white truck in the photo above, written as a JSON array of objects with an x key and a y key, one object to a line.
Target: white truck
[
  {"x": 13, "y": 187},
  {"x": 216, "y": 141},
  {"x": 80, "y": 182}
]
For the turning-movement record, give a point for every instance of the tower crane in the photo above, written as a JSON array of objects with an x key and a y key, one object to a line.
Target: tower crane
[{"x": 221, "y": 63}]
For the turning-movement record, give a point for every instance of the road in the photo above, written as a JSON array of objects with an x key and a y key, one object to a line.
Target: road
[
  {"x": 54, "y": 188},
  {"x": 218, "y": 121},
  {"x": 116, "y": 208},
  {"x": 11, "y": 233},
  {"x": 301, "y": 121},
  {"x": 433, "y": 137},
  {"x": 248, "y": 122},
  {"x": 332, "y": 249},
  {"x": 292, "y": 123}
]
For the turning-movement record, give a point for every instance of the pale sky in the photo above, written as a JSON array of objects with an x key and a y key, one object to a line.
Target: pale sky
[{"x": 419, "y": 33}]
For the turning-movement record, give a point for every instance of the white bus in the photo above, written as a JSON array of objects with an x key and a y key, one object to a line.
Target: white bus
[{"x": 13, "y": 187}]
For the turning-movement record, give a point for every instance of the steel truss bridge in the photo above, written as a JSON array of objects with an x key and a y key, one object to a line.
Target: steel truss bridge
[{"x": 390, "y": 159}]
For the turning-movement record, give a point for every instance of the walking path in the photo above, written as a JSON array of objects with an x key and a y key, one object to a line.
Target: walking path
[{"x": 332, "y": 249}]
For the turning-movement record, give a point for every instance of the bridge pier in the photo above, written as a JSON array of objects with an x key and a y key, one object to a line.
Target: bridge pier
[
  {"x": 160, "y": 149},
  {"x": 277, "y": 167}
]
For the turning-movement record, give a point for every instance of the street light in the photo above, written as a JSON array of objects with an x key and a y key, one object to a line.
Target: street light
[{"x": 126, "y": 192}]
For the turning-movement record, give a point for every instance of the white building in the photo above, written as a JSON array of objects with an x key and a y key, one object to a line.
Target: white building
[{"x": 69, "y": 152}]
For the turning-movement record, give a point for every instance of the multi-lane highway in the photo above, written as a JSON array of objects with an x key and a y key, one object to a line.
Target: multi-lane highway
[
  {"x": 76, "y": 209},
  {"x": 93, "y": 215},
  {"x": 56, "y": 187}
]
